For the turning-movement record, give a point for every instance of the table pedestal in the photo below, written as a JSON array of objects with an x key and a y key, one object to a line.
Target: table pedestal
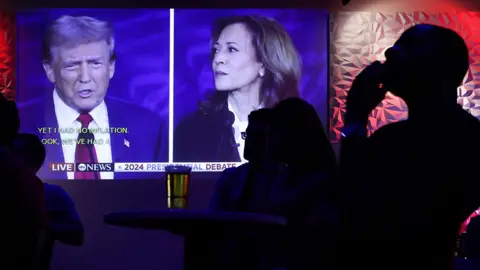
[{"x": 218, "y": 252}]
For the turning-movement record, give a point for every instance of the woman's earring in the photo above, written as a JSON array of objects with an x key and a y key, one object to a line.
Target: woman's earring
[{"x": 261, "y": 74}]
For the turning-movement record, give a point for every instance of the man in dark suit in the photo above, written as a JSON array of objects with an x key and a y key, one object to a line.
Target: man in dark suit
[{"x": 79, "y": 59}]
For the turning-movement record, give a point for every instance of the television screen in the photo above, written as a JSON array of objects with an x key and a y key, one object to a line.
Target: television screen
[{"x": 121, "y": 93}]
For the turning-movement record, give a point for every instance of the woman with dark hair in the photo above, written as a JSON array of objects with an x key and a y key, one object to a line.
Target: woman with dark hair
[{"x": 255, "y": 65}]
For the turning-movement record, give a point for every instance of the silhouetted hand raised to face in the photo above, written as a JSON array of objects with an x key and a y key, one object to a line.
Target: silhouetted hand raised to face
[{"x": 366, "y": 93}]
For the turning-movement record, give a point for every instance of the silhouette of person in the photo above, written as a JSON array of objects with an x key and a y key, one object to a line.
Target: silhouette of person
[
  {"x": 235, "y": 187},
  {"x": 304, "y": 143},
  {"x": 405, "y": 179},
  {"x": 244, "y": 189},
  {"x": 291, "y": 172},
  {"x": 248, "y": 188},
  {"x": 22, "y": 200},
  {"x": 308, "y": 196},
  {"x": 64, "y": 220}
]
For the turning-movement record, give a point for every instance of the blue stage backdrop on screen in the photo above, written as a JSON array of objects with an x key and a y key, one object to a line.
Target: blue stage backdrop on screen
[
  {"x": 207, "y": 136},
  {"x": 82, "y": 68}
]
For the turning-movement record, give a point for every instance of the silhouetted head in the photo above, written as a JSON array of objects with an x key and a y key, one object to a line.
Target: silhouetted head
[
  {"x": 30, "y": 149},
  {"x": 427, "y": 61},
  {"x": 303, "y": 142},
  {"x": 10, "y": 123},
  {"x": 472, "y": 238},
  {"x": 257, "y": 140},
  {"x": 255, "y": 53}
]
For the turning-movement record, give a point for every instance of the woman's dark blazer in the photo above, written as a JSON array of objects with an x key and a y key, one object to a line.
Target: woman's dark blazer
[{"x": 207, "y": 134}]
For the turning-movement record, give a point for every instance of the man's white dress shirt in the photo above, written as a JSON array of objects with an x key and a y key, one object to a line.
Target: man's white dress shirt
[{"x": 67, "y": 118}]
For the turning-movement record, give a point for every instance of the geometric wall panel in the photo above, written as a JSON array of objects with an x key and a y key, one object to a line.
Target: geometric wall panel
[
  {"x": 359, "y": 38},
  {"x": 7, "y": 53}
]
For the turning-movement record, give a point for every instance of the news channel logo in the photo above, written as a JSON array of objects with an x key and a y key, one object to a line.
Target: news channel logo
[
  {"x": 95, "y": 167},
  {"x": 81, "y": 167}
]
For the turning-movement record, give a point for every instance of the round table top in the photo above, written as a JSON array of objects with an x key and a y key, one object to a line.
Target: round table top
[{"x": 183, "y": 221}]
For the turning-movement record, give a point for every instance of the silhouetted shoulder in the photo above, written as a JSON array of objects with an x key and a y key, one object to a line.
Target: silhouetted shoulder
[
  {"x": 389, "y": 131},
  {"x": 56, "y": 197},
  {"x": 470, "y": 122},
  {"x": 226, "y": 191},
  {"x": 235, "y": 171},
  {"x": 230, "y": 171},
  {"x": 22, "y": 192},
  {"x": 231, "y": 176},
  {"x": 466, "y": 130},
  {"x": 242, "y": 168}
]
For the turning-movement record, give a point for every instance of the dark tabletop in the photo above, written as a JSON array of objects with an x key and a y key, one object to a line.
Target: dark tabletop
[{"x": 186, "y": 221}]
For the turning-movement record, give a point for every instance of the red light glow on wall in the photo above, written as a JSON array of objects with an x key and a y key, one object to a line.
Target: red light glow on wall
[{"x": 7, "y": 54}]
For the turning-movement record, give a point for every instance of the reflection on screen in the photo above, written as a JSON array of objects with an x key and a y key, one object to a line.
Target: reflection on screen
[{"x": 119, "y": 94}]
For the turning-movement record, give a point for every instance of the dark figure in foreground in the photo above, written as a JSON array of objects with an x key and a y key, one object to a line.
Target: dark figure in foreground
[
  {"x": 22, "y": 202},
  {"x": 65, "y": 223},
  {"x": 251, "y": 188},
  {"x": 403, "y": 186},
  {"x": 309, "y": 199},
  {"x": 290, "y": 173},
  {"x": 243, "y": 189},
  {"x": 236, "y": 187}
]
